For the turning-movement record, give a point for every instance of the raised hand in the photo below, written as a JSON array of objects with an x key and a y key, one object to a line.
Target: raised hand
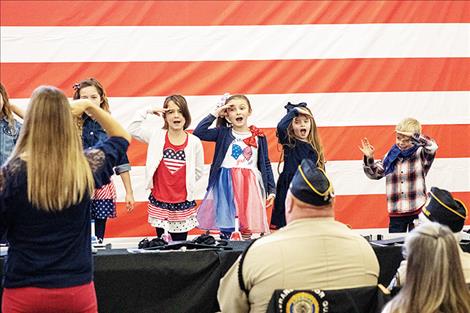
[
  {"x": 222, "y": 110},
  {"x": 416, "y": 138},
  {"x": 157, "y": 111},
  {"x": 79, "y": 106},
  {"x": 366, "y": 148},
  {"x": 303, "y": 111}
]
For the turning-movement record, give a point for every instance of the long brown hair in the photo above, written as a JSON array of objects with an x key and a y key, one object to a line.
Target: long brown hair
[
  {"x": 6, "y": 110},
  {"x": 313, "y": 139},
  {"x": 58, "y": 173},
  {"x": 434, "y": 277}
]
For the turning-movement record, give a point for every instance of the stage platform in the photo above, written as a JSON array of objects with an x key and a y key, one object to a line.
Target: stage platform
[{"x": 181, "y": 281}]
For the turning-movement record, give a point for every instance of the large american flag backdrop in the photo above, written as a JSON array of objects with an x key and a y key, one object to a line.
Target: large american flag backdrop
[{"x": 360, "y": 65}]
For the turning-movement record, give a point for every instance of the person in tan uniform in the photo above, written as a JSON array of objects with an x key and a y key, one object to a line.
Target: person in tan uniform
[
  {"x": 311, "y": 251},
  {"x": 442, "y": 208}
]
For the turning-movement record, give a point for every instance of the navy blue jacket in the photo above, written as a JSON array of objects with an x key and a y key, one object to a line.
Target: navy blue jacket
[
  {"x": 294, "y": 155},
  {"x": 223, "y": 138}
]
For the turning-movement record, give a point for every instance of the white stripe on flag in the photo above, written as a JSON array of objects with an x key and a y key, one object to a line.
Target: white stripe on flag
[
  {"x": 356, "y": 108},
  {"x": 217, "y": 43}
]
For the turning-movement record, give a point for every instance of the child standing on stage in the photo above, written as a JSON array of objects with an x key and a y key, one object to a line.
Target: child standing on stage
[
  {"x": 175, "y": 161},
  {"x": 297, "y": 133},
  {"x": 9, "y": 126},
  {"x": 240, "y": 176},
  {"x": 103, "y": 205},
  {"x": 405, "y": 167}
]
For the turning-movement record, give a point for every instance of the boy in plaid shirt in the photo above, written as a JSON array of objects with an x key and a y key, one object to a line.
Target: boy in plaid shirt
[{"x": 405, "y": 167}]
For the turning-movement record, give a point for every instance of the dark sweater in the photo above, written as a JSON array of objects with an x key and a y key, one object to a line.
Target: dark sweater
[{"x": 50, "y": 250}]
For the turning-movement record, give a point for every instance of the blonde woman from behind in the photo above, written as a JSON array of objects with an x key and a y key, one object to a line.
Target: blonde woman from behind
[{"x": 435, "y": 281}]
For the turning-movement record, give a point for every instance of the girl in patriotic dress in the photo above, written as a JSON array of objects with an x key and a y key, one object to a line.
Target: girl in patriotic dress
[
  {"x": 175, "y": 161},
  {"x": 103, "y": 205},
  {"x": 241, "y": 182}
]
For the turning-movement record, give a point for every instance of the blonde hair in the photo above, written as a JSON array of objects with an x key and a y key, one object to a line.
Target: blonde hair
[
  {"x": 59, "y": 175},
  {"x": 313, "y": 139},
  {"x": 409, "y": 125},
  {"x": 6, "y": 110},
  {"x": 434, "y": 276}
]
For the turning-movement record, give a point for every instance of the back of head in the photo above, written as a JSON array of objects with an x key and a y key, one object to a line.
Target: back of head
[
  {"x": 434, "y": 276},
  {"x": 58, "y": 173},
  {"x": 311, "y": 185},
  {"x": 409, "y": 125},
  {"x": 442, "y": 208}
]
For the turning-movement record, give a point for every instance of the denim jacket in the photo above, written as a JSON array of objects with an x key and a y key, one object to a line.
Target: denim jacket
[
  {"x": 8, "y": 137},
  {"x": 93, "y": 134}
]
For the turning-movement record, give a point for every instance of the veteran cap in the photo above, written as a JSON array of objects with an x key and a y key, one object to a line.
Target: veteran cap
[
  {"x": 444, "y": 209},
  {"x": 311, "y": 185}
]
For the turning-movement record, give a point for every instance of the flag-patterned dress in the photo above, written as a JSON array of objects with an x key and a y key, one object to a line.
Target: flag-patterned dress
[{"x": 168, "y": 207}]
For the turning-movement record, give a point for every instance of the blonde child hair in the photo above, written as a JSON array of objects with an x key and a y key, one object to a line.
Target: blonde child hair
[{"x": 409, "y": 125}]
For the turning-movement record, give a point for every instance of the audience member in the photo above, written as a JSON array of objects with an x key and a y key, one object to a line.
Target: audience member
[
  {"x": 444, "y": 209},
  {"x": 45, "y": 190},
  {"x": 312, "y": 251},
  {"x": 435, "y": 281}
]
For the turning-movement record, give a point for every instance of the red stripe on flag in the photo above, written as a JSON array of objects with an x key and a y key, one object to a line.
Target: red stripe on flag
[
  {"x": 370, "y": 211},
  {"x": 247, "y": 77},
  {"x": 341, "y": 143},
  {"x": 198, "y": 13},
  {"x": 359, "y": 211}
]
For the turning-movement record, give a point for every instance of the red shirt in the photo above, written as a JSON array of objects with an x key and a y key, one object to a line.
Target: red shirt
[{"x": 169, "y": 180}]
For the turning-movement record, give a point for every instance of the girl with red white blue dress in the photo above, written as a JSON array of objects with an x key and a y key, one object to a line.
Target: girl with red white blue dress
[
  {"x": 175, "y": 161},
  {"x": 241, "y": 182}
]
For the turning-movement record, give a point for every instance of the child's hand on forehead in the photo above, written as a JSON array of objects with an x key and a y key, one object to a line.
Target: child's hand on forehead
[
  {"x": 222, "y": 110},
  {"x": 413, "y": 136},
  {"x": 303, "y": 111},
  {"x": 79, "y": 106},
  {"x": 409, "y": 134},
  {"x": 157, "y": 111}
]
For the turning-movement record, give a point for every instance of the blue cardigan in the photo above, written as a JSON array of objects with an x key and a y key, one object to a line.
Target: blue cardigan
[{"x": 223, "y": 138}]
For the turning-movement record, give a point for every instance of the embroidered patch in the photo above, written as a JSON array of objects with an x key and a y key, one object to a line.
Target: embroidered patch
[{"x": 305, "y": 301}]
